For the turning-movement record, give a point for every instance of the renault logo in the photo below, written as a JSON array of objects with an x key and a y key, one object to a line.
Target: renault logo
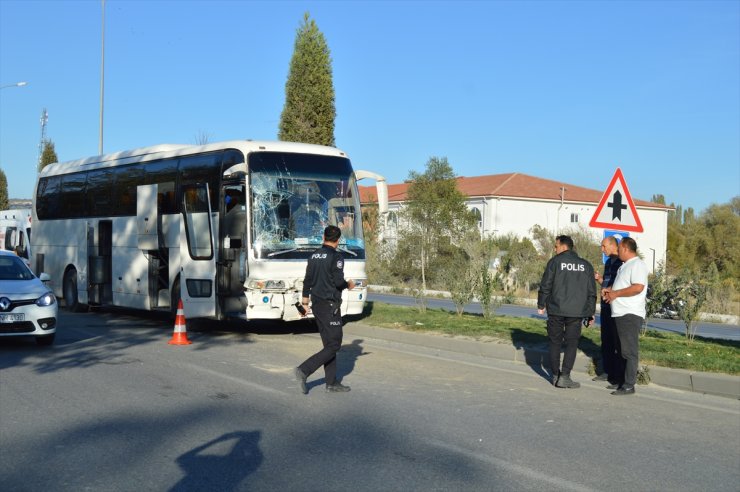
[{"x": 4, "y": 304}]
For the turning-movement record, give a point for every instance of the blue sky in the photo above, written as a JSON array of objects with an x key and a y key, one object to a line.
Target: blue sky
[{"x": 560, "y": 90}]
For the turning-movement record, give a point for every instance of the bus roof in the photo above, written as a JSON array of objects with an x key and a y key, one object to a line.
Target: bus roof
[{"x": 173, "y": 150}]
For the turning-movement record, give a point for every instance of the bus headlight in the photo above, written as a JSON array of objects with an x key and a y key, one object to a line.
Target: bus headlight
[{"x": 266, "y": 284}]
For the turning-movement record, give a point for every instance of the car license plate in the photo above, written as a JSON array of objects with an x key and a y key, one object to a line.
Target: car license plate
[{"x": 12, "y": 318}]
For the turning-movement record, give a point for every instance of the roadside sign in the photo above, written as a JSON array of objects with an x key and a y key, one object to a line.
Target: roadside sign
[{"x": 616, "y": 210}]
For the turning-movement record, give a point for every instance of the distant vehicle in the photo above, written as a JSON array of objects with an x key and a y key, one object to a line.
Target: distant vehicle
[
  {"x": 669, "y": 310},
  {"x": 15, "y": 232},
  {"x": 27, "y": 305}
]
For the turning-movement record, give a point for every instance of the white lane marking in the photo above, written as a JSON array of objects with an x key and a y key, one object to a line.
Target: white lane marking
[
  {"x": 458, "y": 357},
  {"x": 519, "y": 469},
  {"x": 235, "y": 379}
]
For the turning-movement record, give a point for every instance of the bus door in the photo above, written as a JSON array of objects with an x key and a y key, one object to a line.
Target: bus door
[
  {"x": 232, "y": 253},
  {"x": 197, "y": 253}
]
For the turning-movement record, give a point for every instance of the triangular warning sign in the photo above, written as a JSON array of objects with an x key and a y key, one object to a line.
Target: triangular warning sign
[{"x": 616, "y": 209}]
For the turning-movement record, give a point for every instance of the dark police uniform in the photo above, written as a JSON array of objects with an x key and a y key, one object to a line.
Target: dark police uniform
[
  {"x": 568, "y": 292},
  {"x": 324, "y": 281},
  {"x": 610, "y": 348}
]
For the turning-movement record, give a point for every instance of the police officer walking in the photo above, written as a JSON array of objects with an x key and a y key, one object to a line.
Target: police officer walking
[
  {"x": 568, "y": 293},
  {"x": 324, "y": 282}
]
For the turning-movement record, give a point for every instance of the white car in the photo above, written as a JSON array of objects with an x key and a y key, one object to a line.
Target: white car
[{"x": 27, "y": 306}]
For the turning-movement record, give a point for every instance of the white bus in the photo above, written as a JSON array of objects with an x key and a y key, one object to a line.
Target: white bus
[
  {"x": 15, "y": 232},
  {"x": 225, "y": 227}
]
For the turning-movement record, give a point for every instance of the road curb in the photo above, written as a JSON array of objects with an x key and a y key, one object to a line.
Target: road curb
[{"x": 701, "y": 382}]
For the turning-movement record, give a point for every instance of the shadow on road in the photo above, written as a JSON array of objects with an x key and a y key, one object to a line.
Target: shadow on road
[
  {"x": 347, "y": 357},
  {"x": 535, "y": 347},
  {"x": 346, "y": 360},
  {"x": 219, "y": 470}
]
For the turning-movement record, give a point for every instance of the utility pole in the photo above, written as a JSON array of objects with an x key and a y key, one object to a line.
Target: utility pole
[
  {"x": 102, "y": 79},
  {"x": 44, "y": 119},
  {"x": 560, "y": 208}
]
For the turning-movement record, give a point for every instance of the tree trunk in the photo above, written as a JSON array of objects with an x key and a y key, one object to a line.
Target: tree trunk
[{"x": 423, "y": 278}]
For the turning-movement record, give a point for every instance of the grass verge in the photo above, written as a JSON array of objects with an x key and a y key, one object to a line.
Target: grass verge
[{"x": 656, "y": 348}]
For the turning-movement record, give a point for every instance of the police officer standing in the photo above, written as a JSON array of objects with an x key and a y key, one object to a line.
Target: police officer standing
[
  {"x": 612, "y": 362},
  {"x": 324, "y": 282},
  {"x": 568, "y": 293}
]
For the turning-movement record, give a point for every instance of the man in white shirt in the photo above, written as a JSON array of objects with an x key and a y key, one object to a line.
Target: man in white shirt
[{"x": 627, "y": 299}]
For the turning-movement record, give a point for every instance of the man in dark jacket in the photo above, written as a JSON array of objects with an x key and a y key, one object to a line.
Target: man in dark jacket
[
  {"x": 568, "y": 293},
  {"x": 611, "y": 358},
  {"x": 324, "y": 282}
]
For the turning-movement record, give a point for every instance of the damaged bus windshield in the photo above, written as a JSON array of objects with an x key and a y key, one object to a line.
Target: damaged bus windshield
[{"x": 295, "y": 196}]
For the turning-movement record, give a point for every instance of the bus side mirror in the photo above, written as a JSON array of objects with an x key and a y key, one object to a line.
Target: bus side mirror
[{"x": 380, "y": 185}]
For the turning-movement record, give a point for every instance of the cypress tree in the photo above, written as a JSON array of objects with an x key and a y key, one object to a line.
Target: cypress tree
[
  {"x": 48, "y": 156},
  {"x": 309, "y": 112},
  {"x": 4, "y": 202}
]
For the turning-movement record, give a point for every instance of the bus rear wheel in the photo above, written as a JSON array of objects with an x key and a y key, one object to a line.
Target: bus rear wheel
[{"x": 69, "y": 288}]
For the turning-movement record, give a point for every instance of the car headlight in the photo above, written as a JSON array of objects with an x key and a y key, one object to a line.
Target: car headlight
[
  {"x": 47, "y": 299},
  {"x": 360, "y": 283}
]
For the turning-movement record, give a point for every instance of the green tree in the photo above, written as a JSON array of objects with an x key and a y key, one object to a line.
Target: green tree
[
  {"x": 463, "y": 270},
  {"x": 4, "y": 202},
  {"x": 719, "y": 244},
  {"x": 690, "y": 297},
  {"x": 48, "y": 155},
  {"x": 309, "y": 112},
  {"x": 658, "y": 199},
  {"x": 524, "y": 264},
  {"x": 436, "y": 214},
  {"x": 486, "y": 282},
  {"x": 659, "y": 294},
  {"x": 459, "y": 277}
]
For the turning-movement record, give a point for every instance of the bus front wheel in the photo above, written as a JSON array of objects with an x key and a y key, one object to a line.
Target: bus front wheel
[{"x": 70, "y": 292}]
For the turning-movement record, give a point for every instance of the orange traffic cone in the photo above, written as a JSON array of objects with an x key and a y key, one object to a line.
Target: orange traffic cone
[{"x": 180, "y": 336}]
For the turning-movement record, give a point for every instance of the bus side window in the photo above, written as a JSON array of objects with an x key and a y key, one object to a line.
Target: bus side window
[
  {"x": 20, "y": 250},
  {"x": 10, "y": 234}
]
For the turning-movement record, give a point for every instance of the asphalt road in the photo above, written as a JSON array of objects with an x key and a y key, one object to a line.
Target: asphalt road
[
  {"x": 113, "y": 407},
  {"x": 704, "y": 329}
]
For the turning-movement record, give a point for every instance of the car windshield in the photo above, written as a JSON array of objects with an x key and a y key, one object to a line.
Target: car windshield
[
  {"x": 13, "y": 268},
  {"x": 295, "y": 196}
]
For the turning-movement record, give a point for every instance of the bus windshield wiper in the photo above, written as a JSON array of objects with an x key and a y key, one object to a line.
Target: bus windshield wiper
[
  {"x": 283, "y": 251},
  {"x": 275, "y": 253},
  {"x": 345, "y": 250}
]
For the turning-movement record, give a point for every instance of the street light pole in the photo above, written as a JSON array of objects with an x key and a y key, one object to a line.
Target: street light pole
[
  {"x": 17, "y": 84},
  {"x": 102, "y": 80},
  {"x": 651, "y": 249}
]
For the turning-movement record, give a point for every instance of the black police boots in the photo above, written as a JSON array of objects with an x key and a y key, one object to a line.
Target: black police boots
[
  {"x": 564, "y": 381},
  {"x": 336, "y": 388},
  {"x": 302, "y": 380}
]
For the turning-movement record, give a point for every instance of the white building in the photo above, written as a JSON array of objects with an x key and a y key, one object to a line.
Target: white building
[{"x": 514, "y": 202}]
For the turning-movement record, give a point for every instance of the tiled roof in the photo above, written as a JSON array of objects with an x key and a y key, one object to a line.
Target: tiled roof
[{"x": 514, "y": 185}]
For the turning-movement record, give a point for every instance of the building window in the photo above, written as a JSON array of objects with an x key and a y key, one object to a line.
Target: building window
[
  {"x": 392, "y": 220},
  {"x": 476, "y": 213},
  {"x": 574, "y": 218}
]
